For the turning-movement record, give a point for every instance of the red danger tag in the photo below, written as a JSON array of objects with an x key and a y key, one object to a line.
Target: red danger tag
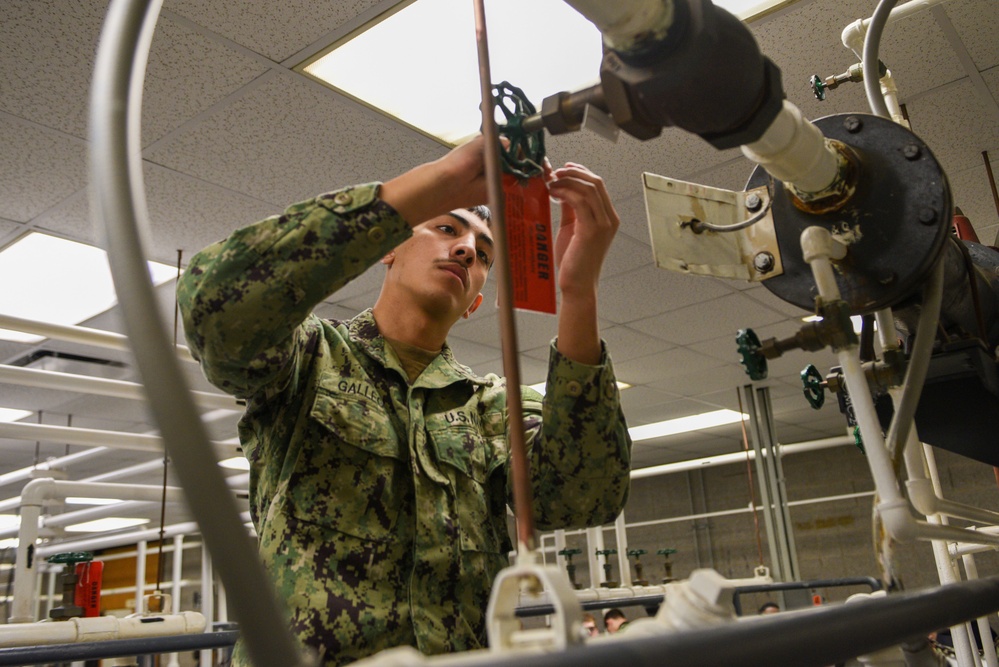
[
  {"x": 529, "y": 239},
  {"x": 88, "y": 587}
]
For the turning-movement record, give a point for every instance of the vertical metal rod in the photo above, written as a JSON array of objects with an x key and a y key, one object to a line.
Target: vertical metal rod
[
  {"x": 522, "y": 501},
  {"x": 992, "y": 180}
]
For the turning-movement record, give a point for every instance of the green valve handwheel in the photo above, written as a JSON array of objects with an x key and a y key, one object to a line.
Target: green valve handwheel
[
  {"x": 811, "y": 382},
  {"x": 71, "y": 557},
  {"x": 752, "y": 359},
  {"x": 526, "y": 154}
]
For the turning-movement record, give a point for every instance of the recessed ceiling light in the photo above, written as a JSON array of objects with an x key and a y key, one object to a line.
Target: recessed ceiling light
[
  {"x": 105, "y": 525},
  {"x": 686, "y": 424},
  {"x": 235, "y": 463},
  {"x": 79, "y": 290},
  {"x": 10, "y": 414},
  {"x": 418, "y": 62}
]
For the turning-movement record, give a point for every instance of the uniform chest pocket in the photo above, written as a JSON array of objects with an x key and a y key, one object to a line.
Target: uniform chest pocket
[
  {"x": 352, "y": 472},
  {"x": 473, "y": 465}
]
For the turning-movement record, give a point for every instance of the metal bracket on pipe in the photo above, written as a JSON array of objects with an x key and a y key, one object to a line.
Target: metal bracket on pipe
[{"x": 503, "y": 624}]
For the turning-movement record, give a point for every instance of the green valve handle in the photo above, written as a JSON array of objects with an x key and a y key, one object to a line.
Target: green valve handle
[
  {"x": 818, "y": 87},
  {"x": 71, "y": 557},
  {"x": 569, "y": 553},
  {"x": 637, "y": 552},
  {"x": 526, "y": 152},
  {"x": 666, "y": 552},
  {"x": 811, "y": 382},
  {"x": 606, "y": 552},
  {"x": 752, "y": 359},
  {"x": 858, "y": 440}
]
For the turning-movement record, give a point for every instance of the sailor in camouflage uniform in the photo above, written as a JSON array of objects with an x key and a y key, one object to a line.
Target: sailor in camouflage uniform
[{"x": 379, "y": 470}]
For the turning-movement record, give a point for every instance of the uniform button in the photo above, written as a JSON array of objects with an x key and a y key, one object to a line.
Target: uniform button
[
  {"x": 609, "y": 390},
  {"x": 342, "y": 198},
  {"x": 376, "y": 234},
  {"x": 573, "y": 388}
]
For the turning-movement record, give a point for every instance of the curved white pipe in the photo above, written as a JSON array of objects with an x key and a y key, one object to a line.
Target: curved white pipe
[
  {"x": 33, "y": 377},
  {"x": 854, "y": 34},
  {"x": 95, "y": 437},
  {"x": 74, "y": 334},
  {"x": 624, "y": 22}
]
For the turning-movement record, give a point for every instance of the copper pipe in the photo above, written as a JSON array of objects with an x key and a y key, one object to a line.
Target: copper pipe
[
  {"x": 992, "y": 180},
  {"x": 522, "y": 502}
]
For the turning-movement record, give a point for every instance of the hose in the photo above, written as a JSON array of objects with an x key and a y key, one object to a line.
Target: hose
[{"x": 872, "y": 42}]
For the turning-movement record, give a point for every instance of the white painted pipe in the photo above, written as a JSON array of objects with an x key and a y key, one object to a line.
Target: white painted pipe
[
  {"x": 178, "y": 563},
  {"x": 738, "y": 457},
  {"x": 51, "y": 464},
  {"x": 207, "y": 598},
  {"x": 854, "y": 34},
  {"x": 94, "y": 437},
  {"x": 75, "y": 334},
  {"x": 794, "y": 151},
  {"x": 100, "y": 628},
  {"x": 140, "y": 575},
  {"x": 621, "y": 534},
  {"x": 595, "y": 542},
  {"x": 41, "y": 379}
]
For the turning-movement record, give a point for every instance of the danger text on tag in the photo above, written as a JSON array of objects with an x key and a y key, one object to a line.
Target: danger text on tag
[{"x": 529, "y": 240}]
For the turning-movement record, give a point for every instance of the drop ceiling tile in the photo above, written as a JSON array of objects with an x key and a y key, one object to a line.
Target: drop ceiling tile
[
  {"x": 624, "y": 343},
  {"x": 693, "y": 323},
  {"x": 274, "y": 30},
  {"x": 772, "y": 301},
  {"x": 185, "y": 214},
  {"x": 634, "y": 222},
  {"x": 38, "y": 168},
  {"x": 654, "y": 368},
  {"x": 731, "y": 175},
  {"x": 969, "y": 128},
  {"x": 705, "y": 382},
  {"x": 264, "y": 147},
  {"x": 626, "y": 254},
  {"x": 9, "y": 232},
  {"x": 48, "y": 51},
  {"x": 650, "y": 291},
  {"x": 534, "y": 330},
  {"x": 971, "y": 192},
  {"x": 650, "y": 406},
  {"x": 977, "y": 23}
]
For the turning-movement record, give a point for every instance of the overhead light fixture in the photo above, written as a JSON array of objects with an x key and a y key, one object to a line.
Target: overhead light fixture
[
  {"x": 686, "y": 424},
  {"x": 235, "y": 463},
  {"x": 79, "y": 290},
  {"x": 105, "y": 525},
  {"x": 418, "y": 62},
  {"x": 9, "y": 521},
  {"x": 12, "y": 415},
  {"x": 542, "y": 386}
]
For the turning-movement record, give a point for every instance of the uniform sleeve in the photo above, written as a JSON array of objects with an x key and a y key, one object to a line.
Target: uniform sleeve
[
  {"x": 580, "y": 452},
  {"x": 243, "y": 300}
]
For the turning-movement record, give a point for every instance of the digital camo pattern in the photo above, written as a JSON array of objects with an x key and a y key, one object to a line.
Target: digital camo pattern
[{"x": 380, "y": 505}]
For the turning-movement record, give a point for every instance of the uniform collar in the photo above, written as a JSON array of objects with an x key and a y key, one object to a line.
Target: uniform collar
[{"x": 442, "y": 371}]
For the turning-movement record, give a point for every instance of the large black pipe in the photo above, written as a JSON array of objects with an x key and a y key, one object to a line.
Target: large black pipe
[
  {"x": 117, "y": 648},
  {"x": 809, "y": 638}
]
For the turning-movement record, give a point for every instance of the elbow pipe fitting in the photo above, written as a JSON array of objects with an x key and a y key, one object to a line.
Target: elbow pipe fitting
[{"x": 706, "y": 76}]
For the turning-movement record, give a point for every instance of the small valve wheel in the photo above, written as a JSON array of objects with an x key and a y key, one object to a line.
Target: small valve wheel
[
  {"x": 526, "y": 152},
  {"x": 812, "y": 387},
  {"x": 752, "y": 359}
]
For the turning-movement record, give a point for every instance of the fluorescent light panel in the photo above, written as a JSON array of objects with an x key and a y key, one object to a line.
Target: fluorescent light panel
[
  {"x": 235, "y": 463},
  {"x": 686, "y": 424},
  {"x": 10, "y": 414},
  {"x": 419, "y": 64},
  {"x": 91, "y": 501},
  {"x": 80, "y": 289}
]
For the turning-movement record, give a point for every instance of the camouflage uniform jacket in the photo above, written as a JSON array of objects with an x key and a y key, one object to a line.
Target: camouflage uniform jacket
[{"x": 380, "y": 505}]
